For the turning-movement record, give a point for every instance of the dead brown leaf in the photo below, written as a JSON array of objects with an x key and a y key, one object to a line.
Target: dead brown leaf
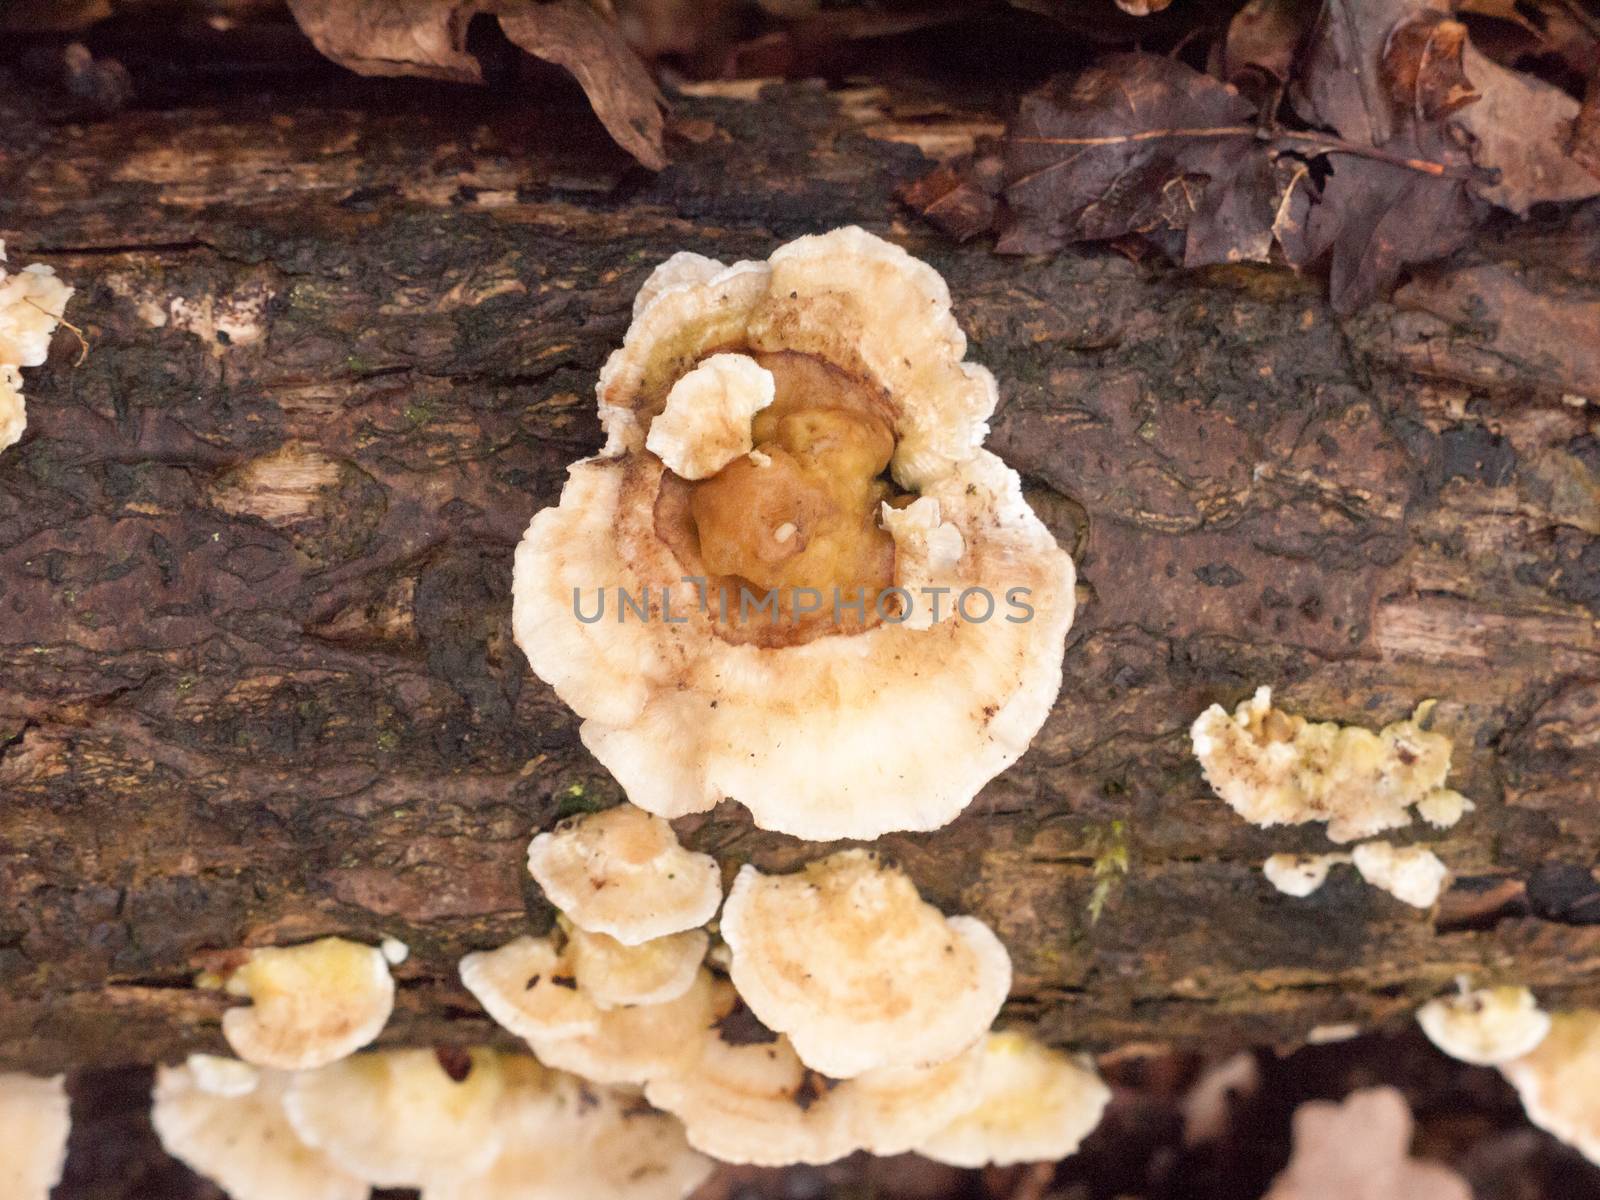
[
  {"x": 1265, "y": 36},
  {"x": 428, "y": 38},
  {"x": 1360, "y": 1150},
  {"x": 960, "y": 198},
  {"x": 1422, "y": 64},
  {"x": 1123, "y": 147},
  {"x": 1522, "y": 128}
]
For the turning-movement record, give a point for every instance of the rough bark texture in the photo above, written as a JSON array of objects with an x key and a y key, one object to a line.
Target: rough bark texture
[{"x": 256, "y": 677}]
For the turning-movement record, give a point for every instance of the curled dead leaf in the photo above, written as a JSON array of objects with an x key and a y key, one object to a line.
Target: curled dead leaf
[
  {"x": 1422, "y": 65},
  {"x": 428, "y": 38}
]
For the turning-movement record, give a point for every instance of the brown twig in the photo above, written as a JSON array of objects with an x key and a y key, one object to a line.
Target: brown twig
[{"x": 1326, "y": 143}]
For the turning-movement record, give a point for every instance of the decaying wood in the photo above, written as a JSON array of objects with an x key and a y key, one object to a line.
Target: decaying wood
[{"x": 256, "y": 676}]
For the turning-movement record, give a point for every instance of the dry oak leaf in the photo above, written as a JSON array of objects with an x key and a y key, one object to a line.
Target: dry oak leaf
[
  {"x": 429, "y": 38},
  {"x": 1360, "y": 1150},
  {"x": 1125, "y": 146}
]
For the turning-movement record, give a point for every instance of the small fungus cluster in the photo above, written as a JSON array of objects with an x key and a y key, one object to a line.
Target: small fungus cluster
[
  {"x": 494, "y": 1127},
  {"x": 32, "y": 302},
  {"x": 836, "y": 1011},
  {"x": 1275, "y": 768},
  {"x": 1552, "y": 1059},
  {"x": 793, "y": 576}
]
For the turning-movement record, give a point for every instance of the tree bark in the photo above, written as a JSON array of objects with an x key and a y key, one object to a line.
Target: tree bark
[{"x": 257, "y": 682}]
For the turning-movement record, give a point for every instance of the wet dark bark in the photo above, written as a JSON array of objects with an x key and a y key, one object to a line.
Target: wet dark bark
[{"x": 256, "y": 677}]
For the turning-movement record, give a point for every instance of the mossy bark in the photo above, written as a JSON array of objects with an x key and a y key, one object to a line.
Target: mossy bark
[{"x": 257, "y": 682}]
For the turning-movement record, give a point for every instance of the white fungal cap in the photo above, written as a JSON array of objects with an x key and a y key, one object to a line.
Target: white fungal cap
[
  {"x": 395, "y": 1118},
  {"x": 827, "y": 728},
  {"x": 621, "y": 872},
  {"x": 1277, "y": 769},
  {"x": 1300, "y": 874},
  {"x": 683, "y": 269},
  {"x": 854, "y": 299},
  {"x": 612, "y": 974},
  {"x": 891, "y": 1110},
  {"x": 745, "y": 1097},
  {"x": 13, "y": 412},
  {"x": 528, "y": 986},
  {"x": 35, "y": 1118},
  {"x": 1485, "y": 1027},
  {"x": 754, "y": 1103},
  {"x": 562, "y": 1139},
  {"x": 239, "y": 1137},
  {"x": 857, "y": 969},
  {"x": 1556, "y": 1081},
  {"x": 32, "y": 302},
  {"x": 633, "y": 1044},
  {"x": 1412, "y": 874},
  {"x": 1035, "y": 1104},
  {"x": 707, "y": 421},
  {"x": 1443, "y": 808},
  {"x": 311, "y": 1004},
  {"x": 218, "y": 1076},
  {"x": 927, "y": 552}
]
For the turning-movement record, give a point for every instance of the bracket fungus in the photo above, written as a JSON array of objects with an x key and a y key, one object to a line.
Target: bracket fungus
[
  {"x": 1034, "y": 1104},
  {"x": 1300, "y": 875},
  {"x": 1411, "y": 874},
  {"x": 614, "y": 975},
  {"x": 1274, "y": 768},
  {"x": 561, "y": 1139},
  {"x": 311, "y": 1004},
  {"x": 35, "y": 1119},
  {"x": 534, "y": 989},
  {"x": 1485, "y": 1027},
  {"x": 857, "y": 969},
  {"x": 622, "y": 873},
  {"x": 1557, "y": 1080},
  {"x": 765, "y": 423},
  {"x": 397, "y": 1118},
  {"x": 32, "y": 302},
  {"x": 225, "y": 1120},
  {"x": 745, "y": 1097}
]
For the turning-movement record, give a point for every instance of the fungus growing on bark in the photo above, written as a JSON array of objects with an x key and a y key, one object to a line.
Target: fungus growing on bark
[
  {"x": 562, "y": 1139},
  {"x": 706, "y": 423},
  {"x": 622, "y": 873},
  {"x": 1033, "y": 1104},
  {"x": 1485, "y": 1027},
  {"x": 1274, "y": 768},
  {"x": 35, "y": 1118},
  {"x": 225, "y": 1120},
  {"x": 536, "y": 991},
  {"x": 764, "y": 641},
  {"x": 1412, "y": 874},
  {"x": 857, "y": 969},
  {"x": 311, "y": 1004},
  {"x": 397, "y": 1118},
  {"x": 32, "y": 302},
  {"x": 745, "y": 1097},
  {"x": 1300, "y": 874},
  {"x": 612, "y": 974},
  {"x": 528, "y": 986},
  {"x": 1556, "y": 1080}
]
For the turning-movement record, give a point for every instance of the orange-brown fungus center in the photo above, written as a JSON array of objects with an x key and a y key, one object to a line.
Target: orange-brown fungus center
[{"x": 802, "y": 512}]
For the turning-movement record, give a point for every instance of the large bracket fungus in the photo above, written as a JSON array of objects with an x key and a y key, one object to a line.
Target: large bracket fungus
[{"x": 818, "y": 594}]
